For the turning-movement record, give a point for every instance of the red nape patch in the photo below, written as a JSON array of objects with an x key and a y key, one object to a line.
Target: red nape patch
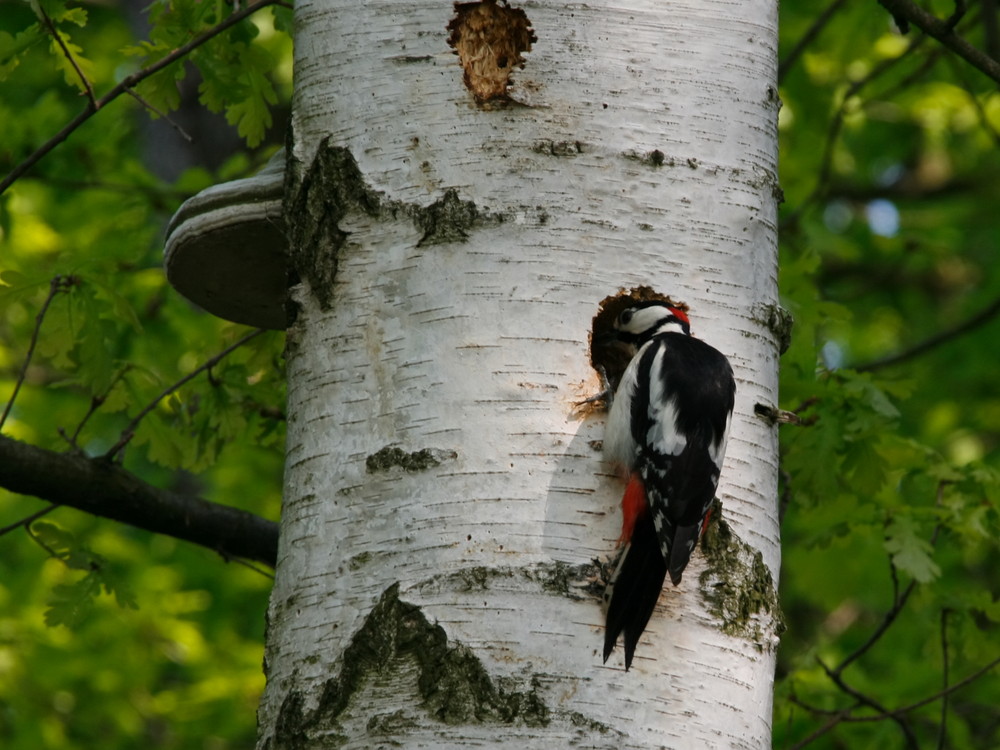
[
  {"x": 681, "y": 315},
  {"x": 633, "y": 506}
]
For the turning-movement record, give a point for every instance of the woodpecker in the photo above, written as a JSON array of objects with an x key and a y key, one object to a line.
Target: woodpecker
[{"x": 667, "y": 432}]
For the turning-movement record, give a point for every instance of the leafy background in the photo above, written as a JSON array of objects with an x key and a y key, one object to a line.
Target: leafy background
[{"x": 890, "y": 167}]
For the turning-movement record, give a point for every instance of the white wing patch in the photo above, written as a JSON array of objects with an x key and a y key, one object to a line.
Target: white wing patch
[
  {"x": 663, "y": 435},
  {"x": 619, "y": 447},
  {"x": 717, "y": 448}
]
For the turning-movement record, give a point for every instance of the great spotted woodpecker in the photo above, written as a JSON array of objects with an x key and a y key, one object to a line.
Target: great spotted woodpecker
[{"x": 667, "y": 432}]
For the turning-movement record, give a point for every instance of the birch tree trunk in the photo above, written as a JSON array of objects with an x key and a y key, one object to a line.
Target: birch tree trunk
[{"x": 456, "y": 220}]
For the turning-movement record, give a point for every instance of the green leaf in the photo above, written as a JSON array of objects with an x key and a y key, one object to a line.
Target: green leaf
[
  {"x": 70, "y": 604},
  {"x": 70, "y": 73},
  {"x": 910, "y": 551},
  {"x": 284, "y": 19},
  {"x": 73, "y": 15},
  {"x": 121, "y": 310},
  {"x": 866, "y": 467},
  {"x": 14, "y": 279},
  {"x": 13, "y": 47}
]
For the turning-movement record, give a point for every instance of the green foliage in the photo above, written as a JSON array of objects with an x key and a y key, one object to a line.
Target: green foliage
[
  {"x": 890, "y": 504},
  {"x": 72, "y": 603},
  {"x": 892, "y": 483},
  {"x": 110, "y": 636},
  {"x": 235, "y": 72}
]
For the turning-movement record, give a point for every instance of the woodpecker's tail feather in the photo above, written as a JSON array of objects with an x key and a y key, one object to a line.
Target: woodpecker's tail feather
[
  {"x": 635, "y": 589},
  {"x": 685, "y": 540}
]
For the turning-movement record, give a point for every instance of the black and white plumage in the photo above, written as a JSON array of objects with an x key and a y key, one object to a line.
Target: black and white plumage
[{"x": 667, "y": 430}]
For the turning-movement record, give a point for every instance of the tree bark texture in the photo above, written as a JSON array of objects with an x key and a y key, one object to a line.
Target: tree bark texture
[{"x": 448, "y": 516}]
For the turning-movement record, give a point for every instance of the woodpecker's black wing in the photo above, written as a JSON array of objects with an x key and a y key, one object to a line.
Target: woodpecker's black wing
[{"x": 686, "y": 395}]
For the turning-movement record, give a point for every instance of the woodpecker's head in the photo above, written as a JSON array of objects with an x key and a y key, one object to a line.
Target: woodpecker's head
[{"x": 639, "y": 323}]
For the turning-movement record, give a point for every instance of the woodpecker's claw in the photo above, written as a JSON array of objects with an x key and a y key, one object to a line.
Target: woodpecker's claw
[{"x": 606, "y": 394}]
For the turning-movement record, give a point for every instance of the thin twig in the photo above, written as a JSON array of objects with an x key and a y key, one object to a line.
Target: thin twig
[
  {"x": 983, "y": 316},
  {"x": 43, "y": 545},
  {"x": 836, "y": 674},
  {"x": 127, "y": 83},
  {"x": 984, "y": 119},
  {"x": 898, "y": 600},
  {"x": 833, "y": 132},
  {"x": 887, "y": 621},
  {"x": 95, "y": 403},
  {"x": 931, "y": 698},
  {"x": 821, "y": 711},
  {"x": 148, "y": 105},
  {"x": 943, "y": 728},
  {"x": 844, "y": 716},
  {"x": 28, "y": 519},
  {"x": 248, "y": 564},
  {"x": 816, "y": 734},
  {"x": 58, "y": 284},
  {"x": 129, "y": 430},
  {"x": 67, "y": 54},
  {"x": 944, "y": 32},
  {"x": 867, "y": 700},
  {"x": 811, "y": 33}
]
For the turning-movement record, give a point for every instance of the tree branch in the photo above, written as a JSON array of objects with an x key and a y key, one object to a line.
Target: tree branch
[
  {"x": 58, "y": 284},
  {"x": 983, "y": 316},
  {"x": 27, "y": 520},
  {"x": 944, "y": 32},
  {"x": 129, "y": 430},
  {"x": 833, "y": 131},
  {"x": 811, "y": 33},
  {"x": 180, "y": 131},
  {"x": 866, "y": 700},
  {"x": 943, "y": 728},
  {"x": 105, "y": 489},
  {"x": 127, "y": 83},
  {"x": 47, "y": 21}
]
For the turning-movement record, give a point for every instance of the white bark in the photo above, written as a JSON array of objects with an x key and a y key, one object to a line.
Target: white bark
[{"x": 643, "y": 153}]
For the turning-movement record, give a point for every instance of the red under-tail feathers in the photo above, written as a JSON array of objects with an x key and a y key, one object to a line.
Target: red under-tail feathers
[{"x": 639, "y": 577}]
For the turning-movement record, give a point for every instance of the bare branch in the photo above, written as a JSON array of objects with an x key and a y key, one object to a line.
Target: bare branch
[
  {"x": 103, "y": 488},
  {"x": 898, "y": 600},
  {"x": 127, "y": 83},
  {"x": 844, "y": 715},
  {"x": 944, "y": 32},
  {"x": 815, "y": 735},
  {"x": 183, "y": 133},
  {"x": 955, "y": 686},
  {"x": 129, "y": 430},
  {"x": 833, "y": 133},
  {"x": 28, "y": 519},
  {"x": 866, "y": 700},
  {"x": 943, "y": 728},
  {"x": 58, "y": 284},
  {"x": 887, "y": 621},
  {"x": 95, "y": 403},
  {"x": 48, "y": 550},
  {"x": 980, "y": 318},
  {"x": 984, "y": 119},
  {"x": 811, "y": 33}
]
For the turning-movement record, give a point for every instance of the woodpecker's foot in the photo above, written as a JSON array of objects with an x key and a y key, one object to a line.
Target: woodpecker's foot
[
  {"x": 606, "y": 568},
  {"x": 606, "y": 393}
]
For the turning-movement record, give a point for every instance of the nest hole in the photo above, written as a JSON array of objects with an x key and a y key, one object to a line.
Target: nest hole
[{"x": 606, "y": 352}]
